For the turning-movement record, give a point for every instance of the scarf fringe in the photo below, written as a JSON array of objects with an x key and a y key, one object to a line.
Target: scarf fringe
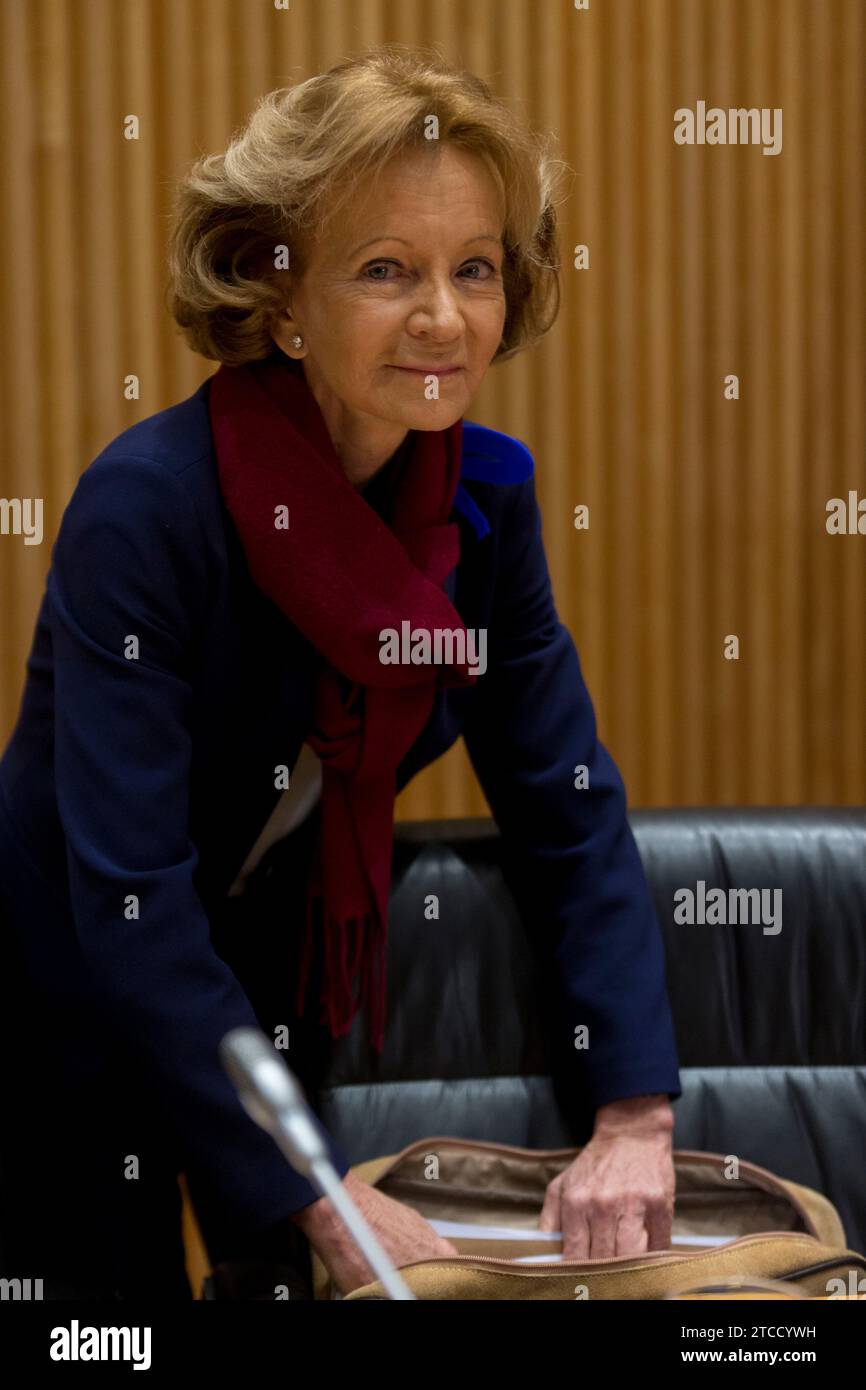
[{"x": 353, "y": 973}]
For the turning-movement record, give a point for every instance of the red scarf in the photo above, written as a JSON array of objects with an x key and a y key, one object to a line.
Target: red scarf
[{"x": 340, "y": 574}]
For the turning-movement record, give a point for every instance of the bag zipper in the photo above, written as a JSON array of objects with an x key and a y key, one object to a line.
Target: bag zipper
[{"x": 666, "y": 1256}]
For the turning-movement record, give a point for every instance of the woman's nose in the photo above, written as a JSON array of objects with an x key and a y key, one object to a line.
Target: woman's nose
[{"x": 437, "y": 309}]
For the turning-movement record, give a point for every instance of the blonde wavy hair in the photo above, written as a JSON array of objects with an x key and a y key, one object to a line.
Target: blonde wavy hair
[{"x": 302, "y": 154}]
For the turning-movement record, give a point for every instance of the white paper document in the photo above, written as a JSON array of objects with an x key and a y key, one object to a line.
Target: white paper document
[{"x": 469, "y": 1230}]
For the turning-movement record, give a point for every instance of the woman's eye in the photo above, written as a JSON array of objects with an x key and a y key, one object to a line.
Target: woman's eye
[
  {"x": 484, "y": 264},
  {"x": 479, "y": 266},
  {"x": 378, "y": 265}
]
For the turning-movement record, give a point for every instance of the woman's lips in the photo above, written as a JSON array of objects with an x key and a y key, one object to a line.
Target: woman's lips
[{"x": 431, "y": 371}]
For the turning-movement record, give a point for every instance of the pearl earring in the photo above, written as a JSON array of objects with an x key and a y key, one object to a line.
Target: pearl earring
[{"x": 297, "y": 341}]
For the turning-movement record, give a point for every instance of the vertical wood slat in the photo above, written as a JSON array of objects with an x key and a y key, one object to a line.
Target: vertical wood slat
[
  {"x": 707, "y": 515},
  {"x": 699, "y": 641},
  {"x": 22, "y": 417},
  {"x": 753, "y": 674},
  {"x": 792, "y": 249},
  {"x": 824, "y": 131},
  {"x": 659, "y": 744},
  {"x": 850, "y": 360}
]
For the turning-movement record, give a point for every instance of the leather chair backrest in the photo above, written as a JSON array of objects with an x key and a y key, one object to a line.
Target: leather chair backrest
[{"x": 771, "y": 1025}]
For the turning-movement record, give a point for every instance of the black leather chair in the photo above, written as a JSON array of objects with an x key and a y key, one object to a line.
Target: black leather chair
[{"x": 771, "y": 1029}]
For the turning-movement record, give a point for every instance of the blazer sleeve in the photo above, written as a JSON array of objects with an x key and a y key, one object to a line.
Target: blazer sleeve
[
  {"x": 128, "y": 586},
  {"x": 571, "y": 855}
]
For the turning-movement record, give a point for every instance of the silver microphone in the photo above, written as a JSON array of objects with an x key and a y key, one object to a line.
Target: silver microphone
[{"x": 271, "y": 1096}]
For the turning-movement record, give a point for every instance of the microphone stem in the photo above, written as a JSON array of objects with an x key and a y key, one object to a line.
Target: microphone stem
[{"x": 326, "y": 1178}]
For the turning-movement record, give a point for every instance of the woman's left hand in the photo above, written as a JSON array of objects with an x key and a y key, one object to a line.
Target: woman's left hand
[{"x": 617, "y": 1197}]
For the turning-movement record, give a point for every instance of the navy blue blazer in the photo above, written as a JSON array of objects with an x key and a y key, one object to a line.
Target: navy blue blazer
[{"x": 154, "y": 777}]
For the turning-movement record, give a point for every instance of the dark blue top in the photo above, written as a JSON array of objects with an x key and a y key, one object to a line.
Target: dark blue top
[{"x": 152, "y": 774}]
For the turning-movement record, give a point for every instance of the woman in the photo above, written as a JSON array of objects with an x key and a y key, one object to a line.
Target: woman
[{"x": 226, "y": 590}]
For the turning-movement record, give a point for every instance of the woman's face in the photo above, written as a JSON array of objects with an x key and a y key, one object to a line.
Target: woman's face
[{"x": 408, "y": 276}]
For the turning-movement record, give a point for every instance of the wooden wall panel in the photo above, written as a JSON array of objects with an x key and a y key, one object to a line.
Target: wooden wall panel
[{"x": 707, "y": 516}]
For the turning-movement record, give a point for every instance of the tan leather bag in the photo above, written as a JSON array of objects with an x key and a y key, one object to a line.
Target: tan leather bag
[{"x": 781, "y": 1230}]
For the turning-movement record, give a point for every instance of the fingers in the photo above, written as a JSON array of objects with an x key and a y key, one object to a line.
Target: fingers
[
  {"x": 584, "y": 1222},
  {"x": 444, "y": 1247},
  {"x": 659, "y": 1223},
  {"x": 598, "y": 1228},
  {"x": 632, "y": 1237},
  {"x": 550, "y": 1219}
]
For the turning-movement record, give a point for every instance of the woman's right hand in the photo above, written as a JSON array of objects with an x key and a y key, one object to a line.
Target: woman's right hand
[{"x": 404, "y": 1235}]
